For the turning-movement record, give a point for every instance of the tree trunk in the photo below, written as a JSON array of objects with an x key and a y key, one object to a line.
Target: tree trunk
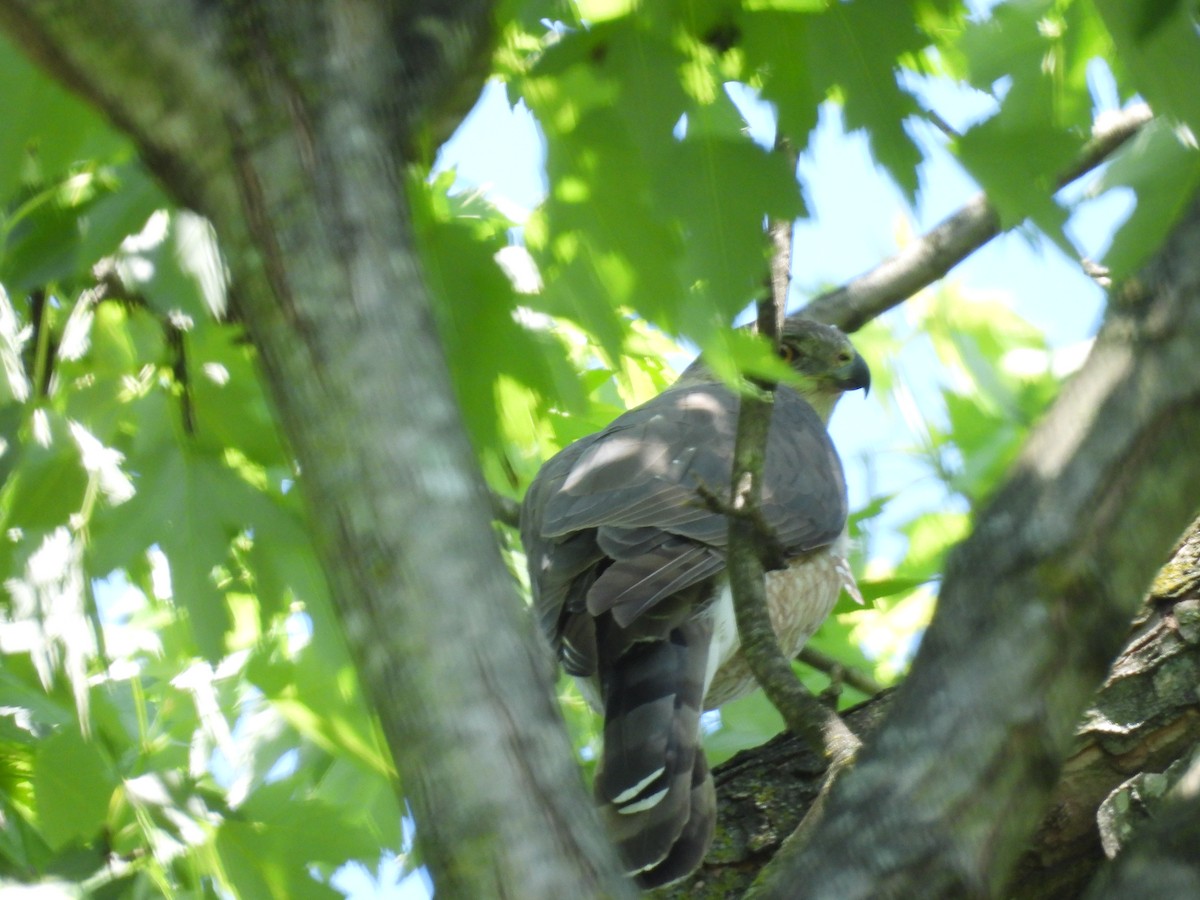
[{"x": 290, "y": 126}]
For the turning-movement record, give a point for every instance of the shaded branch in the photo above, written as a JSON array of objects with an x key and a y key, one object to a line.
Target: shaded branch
[
  {"x": 935, "y": 253},
  {"x": 1030, "y": 615},
  {"x": 839, "y": 671},
  {"x": 1143, "y": 719},
  {"x": 804, "y": 714}
]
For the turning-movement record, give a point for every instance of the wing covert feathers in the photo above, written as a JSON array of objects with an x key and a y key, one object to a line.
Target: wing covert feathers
[{"x": 625, "y": 558}]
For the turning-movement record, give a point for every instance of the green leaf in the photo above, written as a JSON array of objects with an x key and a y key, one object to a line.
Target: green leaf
[
  {"x": 176, "y": 266},
  {"x": 849, "y": 51},
  {"x": 1038, "y": 52},
  {"x": 192, "y": 506},
  {"x": 133, "y": 196},
  {"x": 1163, "y": 166},
  {"x": 369, "y": 799},
  {"x": 58, "y": 234},
  {"x": 284, "y": 563},
  {"x": 14, "y": 385},
  {"x": 745, "y": 723},
  {"x": 873, "y": 589},
  {"x": 269, "y": 850},
  {"x": 857, "y": 46},
  {"x": 721, "y": 191},
  {"x": 21, "y": 688},
  {"x": 310, "y": 830},
  {"x": 629, "y": 67},
  {"x": 602, "y": 240},
  {"x": 1160, "y": 47},
  {"x": 229, "y": 407},
  {"x": 485, "y": 342},
  {"x": 45, "y": 123},
  {"x": 72, "y": 782},
  {"x": 609, "y": 99},
  {"x": 105, "y": 367},
  {"x": 776, "y": 46},
  {"x": 1017, "y": 166},
  {"x": 318, "y": 694},
  {"x": 48, "y": 482},
  {"x": 43, "y": 244},
  {"x": 929, "y": 537}
]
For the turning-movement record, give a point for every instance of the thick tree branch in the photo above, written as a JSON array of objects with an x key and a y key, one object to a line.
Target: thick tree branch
[
  {"x": 289, "y": 126},
  {"x": 1030, "y": 615},
  {"x": 935, "y": 253},
  {"x": 1162, "y": 861},
  {"x": 1144, "y": 719}
]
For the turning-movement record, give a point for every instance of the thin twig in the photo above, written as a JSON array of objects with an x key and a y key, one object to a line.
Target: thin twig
[
  {"x": 856, "y": 678},
  {"x": 505, "y": 510},
  {"x": 766, "y": 542},
  {"x": 804, "y": 714}
]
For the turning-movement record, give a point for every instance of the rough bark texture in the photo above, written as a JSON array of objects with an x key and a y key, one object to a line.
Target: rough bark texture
[
  {"x": 1030, "y": 617},
  {"x": 289, "y": 125},
  {"x": 944, "y": 797},
  {"x": 1145, "y": 718}
]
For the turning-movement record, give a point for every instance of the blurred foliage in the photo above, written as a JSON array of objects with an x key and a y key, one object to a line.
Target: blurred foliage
[{"x": 178, "y": 713}]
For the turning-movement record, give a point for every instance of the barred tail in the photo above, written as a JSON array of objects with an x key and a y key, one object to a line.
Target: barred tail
[{"x": 653, "y": 786}]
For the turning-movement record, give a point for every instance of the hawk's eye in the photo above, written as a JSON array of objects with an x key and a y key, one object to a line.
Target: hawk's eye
[{"x": 787, "y": 353}]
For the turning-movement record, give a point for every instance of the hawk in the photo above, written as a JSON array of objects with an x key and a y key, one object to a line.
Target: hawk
[{"x": 627, "y": 567}]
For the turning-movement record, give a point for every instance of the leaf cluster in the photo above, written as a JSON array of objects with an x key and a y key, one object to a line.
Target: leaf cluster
[{"x": 178, "y": 713}]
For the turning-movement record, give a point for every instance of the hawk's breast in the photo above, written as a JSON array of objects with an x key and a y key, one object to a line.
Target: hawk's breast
[{"x": 799, "y": 598}]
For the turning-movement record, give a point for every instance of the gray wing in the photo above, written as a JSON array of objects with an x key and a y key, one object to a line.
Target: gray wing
[{"x": 615, "y": 521}]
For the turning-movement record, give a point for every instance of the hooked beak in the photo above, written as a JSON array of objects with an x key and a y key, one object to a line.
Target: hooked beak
[{"x": 854, "y": 375}]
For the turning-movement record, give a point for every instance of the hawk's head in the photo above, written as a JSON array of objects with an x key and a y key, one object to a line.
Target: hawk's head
[{"x": 827, "y": 360}]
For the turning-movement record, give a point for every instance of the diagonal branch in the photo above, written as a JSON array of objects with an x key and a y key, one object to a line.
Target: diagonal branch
[
  {"x": 1031, "y": 613},
  {"x": 954, "y": 239}
]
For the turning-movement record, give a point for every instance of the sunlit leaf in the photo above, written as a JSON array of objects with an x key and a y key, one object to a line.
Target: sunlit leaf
[
  {"x": 1160, "y": 46},
  {"x": 175, "y": 265},
  {"x": 45, "y": 120},
  {"x": 1162, "y": 164},
  {"x": 72, "y": 783},
  {"x": 192, "y": 506},
  {"x": 744, "y": 723},
  {"x": 50, "y": 481}
]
